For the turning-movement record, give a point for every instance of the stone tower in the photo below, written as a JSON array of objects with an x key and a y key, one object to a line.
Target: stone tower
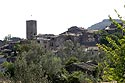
[{"x": 31, "y": 29}]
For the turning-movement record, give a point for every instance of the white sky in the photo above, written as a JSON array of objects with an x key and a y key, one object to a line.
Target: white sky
[{"x": 54, "y": 16}]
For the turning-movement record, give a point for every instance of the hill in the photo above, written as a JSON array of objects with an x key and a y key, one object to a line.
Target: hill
[{"x": 102, "y": 25}]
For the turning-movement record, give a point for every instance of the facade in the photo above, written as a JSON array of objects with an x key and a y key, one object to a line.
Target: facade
[{"x": 31, "y": 29}]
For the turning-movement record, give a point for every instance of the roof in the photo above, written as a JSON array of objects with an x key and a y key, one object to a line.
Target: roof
[
  {"x": 31, "y": 21},
  {"x": 86, "y": 66}
]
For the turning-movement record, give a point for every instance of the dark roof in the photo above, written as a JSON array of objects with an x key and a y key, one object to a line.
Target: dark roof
[
  {"x": 31, "y": 20},
  {"x": 86, "y": 66}
]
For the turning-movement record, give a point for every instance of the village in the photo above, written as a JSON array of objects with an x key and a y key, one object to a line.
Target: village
[{"x": 85, "y": 37}]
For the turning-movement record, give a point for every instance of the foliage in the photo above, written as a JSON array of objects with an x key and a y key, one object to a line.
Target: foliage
[
  {"x": 28, "y": 72},
  {"x": 113, "y": 65},
  {"x": 35, "y": 64},
  {"x": 9, "y": 69},
  {"x": 74, "y": 77},
  {"x": 1, "y": 75},
  {"x": 102, "y": 34},
  {"x": 70, "y": 49},
  {"x": 72, "y": 60}
]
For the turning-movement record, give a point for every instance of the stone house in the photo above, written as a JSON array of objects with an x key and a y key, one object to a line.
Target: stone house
[{"x": 75, "y": 34}]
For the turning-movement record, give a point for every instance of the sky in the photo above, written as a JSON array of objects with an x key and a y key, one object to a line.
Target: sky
[{"x": 54, "y": 16}]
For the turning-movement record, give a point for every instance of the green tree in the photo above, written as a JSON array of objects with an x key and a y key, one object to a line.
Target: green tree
[
  {"x": 113, "y": 65},
  {"x": 36, "y": 65},
  {"x": 70, "y": 49},
  {"x": 7, "y": 38},
  {"x": 71, "y": 53}
]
